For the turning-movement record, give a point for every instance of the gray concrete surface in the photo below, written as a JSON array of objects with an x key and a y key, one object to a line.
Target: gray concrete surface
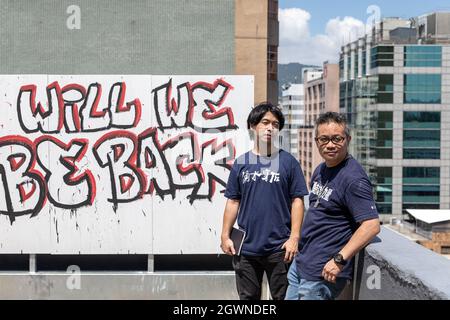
[{"x": 405, "y": 271}]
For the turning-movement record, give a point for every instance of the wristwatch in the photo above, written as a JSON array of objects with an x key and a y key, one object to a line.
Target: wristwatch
[{"x": 339, "y": 259}]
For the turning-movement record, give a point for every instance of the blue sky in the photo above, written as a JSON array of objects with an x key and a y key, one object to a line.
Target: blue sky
[{"x": 315, "y": 30}]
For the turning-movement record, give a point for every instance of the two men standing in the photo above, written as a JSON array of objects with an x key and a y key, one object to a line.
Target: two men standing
[{"x": 342, "y": 217}]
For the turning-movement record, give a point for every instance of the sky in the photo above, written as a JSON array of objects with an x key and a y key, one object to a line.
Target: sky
[{"x": 312, "y": 31}]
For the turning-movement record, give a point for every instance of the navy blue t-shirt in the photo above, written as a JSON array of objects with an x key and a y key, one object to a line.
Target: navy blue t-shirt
[
  {"x": 265, "y": 187},
  {"x": 346, "y": 200}
]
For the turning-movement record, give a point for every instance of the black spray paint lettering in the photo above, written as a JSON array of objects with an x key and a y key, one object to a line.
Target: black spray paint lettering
[
  {"x": 136, "y": 164},
  {"x": 22, "y": 187},
  {"x": 180, "y": 163},
  {"x": 77, "y": 109},
  {"x": 154, "y": 164},
  {"x": 117, "y": 151},
  {"x": 215, "y": 157},
  {"x": 36, "y": 116},
  {"x": 199, "y": 106},
  {"x": 68, "y": 186}
]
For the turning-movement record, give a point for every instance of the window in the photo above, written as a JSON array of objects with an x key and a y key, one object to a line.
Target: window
[
  {"x": 383, "y": 153},
  {"x": 421, "y": 175},
  {"x": 422, "y": 88},
  {"x": 349, "y": 69},
  {"x": 422, "y": 120},
  {"x": 421, "y": 138},
  {"x": 364, "y": 63},
  {"x": 383, "y": 142},
  {"x": 384, "y": 138},
  {"x": 413, "y": 194},
  {"x": 341, "y": 67},
  {"x": 384, "y": 175},
  {"x": 342, "y": 95},
  {"x": 382, "y": 56},
  {"x": 273, "y": 9},
  {"x": 385, "y": 92},
  {"x": 422, "y": 56},
  {"x": 421, "y": 187},
  {"x": 383, "y": 189},
  {"x": 272, "y": 62},
  {"x": 421, "y": 135},
  {"x": 384, "y": 119}
]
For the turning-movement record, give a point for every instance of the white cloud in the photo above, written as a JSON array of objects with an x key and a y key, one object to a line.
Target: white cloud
[
  {"x": 345, "y": 30},
  {"x": 294, "y": 23},
  {"x": 297, "y": 45}
]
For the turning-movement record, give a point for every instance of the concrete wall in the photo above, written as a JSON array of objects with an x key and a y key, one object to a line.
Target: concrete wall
[
  {"x": 117, "y": 37},
  {"x": 106, "y": 286},
  {"x": 394, "y": 268}
]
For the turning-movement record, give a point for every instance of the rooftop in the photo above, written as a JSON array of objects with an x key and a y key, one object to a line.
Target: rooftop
[{"x": 430, "y": 215}]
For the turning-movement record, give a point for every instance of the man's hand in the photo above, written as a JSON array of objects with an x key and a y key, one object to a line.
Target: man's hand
[
  {"x": 228, "y": 246},
  {"x": 331, "y": 271},
  {"x": 291, "y": 247}
]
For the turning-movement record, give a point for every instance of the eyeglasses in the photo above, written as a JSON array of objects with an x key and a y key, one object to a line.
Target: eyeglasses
[{"x": 323, "y": 140}]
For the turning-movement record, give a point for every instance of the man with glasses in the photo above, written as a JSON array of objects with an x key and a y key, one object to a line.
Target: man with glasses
[
  {"x": 342, "y": 217},
  {"x": 265, "y": 194}
]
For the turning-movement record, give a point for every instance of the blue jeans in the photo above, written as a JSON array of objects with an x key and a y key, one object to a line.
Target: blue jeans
[{"x": 301, "y": 289}]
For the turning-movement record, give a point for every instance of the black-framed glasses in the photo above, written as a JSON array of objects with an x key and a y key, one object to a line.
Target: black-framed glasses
[{"x": 322, "y": 140}]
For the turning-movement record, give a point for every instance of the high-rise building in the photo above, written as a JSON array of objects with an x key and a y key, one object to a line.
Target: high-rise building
[
  {"x": 395, "y": 91},
  {"x": 321, "y": 95},
  {"x": 292, "y": 105}
]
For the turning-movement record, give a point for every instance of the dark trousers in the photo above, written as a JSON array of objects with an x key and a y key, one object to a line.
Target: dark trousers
[{"x": 249, "y": 274}]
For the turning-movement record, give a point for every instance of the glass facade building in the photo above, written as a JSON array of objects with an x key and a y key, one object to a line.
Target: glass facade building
[{"x": 396, "y": 99}]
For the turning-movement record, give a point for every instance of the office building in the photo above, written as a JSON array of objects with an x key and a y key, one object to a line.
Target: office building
[
  {"x": 321, "y": 95},
  {"x": 292, "y": 105},
  {"x": 395, "y": 91}
]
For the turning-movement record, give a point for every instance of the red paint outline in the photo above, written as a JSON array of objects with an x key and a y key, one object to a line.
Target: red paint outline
[{"x": 70, "y": 163}]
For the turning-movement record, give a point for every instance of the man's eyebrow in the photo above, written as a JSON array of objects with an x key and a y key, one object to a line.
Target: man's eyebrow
[{"x": 266, "y": 119}]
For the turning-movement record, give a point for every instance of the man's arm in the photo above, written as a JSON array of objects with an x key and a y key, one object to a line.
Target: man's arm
[
  {"x": 363, "y": 235},
  {"x": 291, "y": 245},
  {"x": 229, "y": 218}
]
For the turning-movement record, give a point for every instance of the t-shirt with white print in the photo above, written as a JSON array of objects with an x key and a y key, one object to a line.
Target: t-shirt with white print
[
  {"x": 265, "y": 187},
  {"x": 341, "y": 197}
]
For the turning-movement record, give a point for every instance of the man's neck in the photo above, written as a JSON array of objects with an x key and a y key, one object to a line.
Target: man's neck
[
  {"x": 336, "y": 163},
  {"x": 265, "y": 151}
]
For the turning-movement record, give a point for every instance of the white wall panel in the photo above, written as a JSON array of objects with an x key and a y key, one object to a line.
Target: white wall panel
[{"x": 127, "y": 164}]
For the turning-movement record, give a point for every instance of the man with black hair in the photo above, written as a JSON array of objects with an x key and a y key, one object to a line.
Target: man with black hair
[
  {"x": 265, "y": 193},
  {"x": 342, "y": 217}
]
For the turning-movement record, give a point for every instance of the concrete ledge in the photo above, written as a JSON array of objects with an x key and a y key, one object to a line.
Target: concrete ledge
[
  {"x": 394, "y": 268},
  {"x": 133, "y": 285}
]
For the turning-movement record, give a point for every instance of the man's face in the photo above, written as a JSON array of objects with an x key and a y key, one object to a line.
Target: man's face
[
  {"x": 267, "y": 129},
  {"x": 332, "y": 143}
]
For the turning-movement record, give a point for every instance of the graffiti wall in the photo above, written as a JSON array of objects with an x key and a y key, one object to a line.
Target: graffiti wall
[{"x": 118, "y": 164}]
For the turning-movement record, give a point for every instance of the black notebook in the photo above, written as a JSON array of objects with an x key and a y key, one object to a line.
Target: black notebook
[{"x": 238, "y": 237}]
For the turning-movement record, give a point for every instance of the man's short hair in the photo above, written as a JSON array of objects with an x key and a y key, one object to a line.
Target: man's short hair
[
  {"x": 260, "y": 110},
  {"x": 335, "y": 117}
]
